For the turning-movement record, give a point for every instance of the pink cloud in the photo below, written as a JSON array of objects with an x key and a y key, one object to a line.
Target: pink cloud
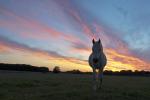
[{"x": 28, "y": 28}]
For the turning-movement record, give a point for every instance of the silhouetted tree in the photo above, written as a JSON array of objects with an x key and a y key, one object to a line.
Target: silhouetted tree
[
  {"x": 56, "y": 69},
  {"x": 23, "y": 67}
]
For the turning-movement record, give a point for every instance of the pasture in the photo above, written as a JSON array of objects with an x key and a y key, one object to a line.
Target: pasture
[{"x": 49, "y": 86}]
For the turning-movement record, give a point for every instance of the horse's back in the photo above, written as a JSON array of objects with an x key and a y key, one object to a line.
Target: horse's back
[
  {"x": 104, "y": 60},
  {"x": 90, "y": 60}
]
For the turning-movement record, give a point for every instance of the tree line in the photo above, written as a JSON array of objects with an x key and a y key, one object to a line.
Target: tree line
[
  {"x": 22, "y": 67},
  {"x": 56, "y": 69},
  {"x": 108, "y": 72}
]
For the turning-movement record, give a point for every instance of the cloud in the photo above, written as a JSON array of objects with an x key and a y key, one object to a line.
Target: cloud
[
  {"x": 110, "y": 39},
  {"x": 107, "y": 35},
  {"x": 119, "y": 55},
  {"x": 75, "y": 17},
  {"x": 9, "y": 44},
  {"x": 130, "y": 60},
  {"x": 118, "y": 61},
  {"x": 31, "y": 29},
  {"x": 85, "y": 28},
  {"x": 49, "y": 55}
]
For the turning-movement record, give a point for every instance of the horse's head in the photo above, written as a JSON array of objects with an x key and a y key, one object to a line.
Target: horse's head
[
  {"x": 97, "y": 49},
  {"x": 97, "y": 46}
]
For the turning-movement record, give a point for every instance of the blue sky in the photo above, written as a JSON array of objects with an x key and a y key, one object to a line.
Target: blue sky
[{"x": 60, "y": 32}]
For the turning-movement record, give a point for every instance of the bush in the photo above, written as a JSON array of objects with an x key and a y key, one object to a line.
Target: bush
[{"x": 56, "y": 69}]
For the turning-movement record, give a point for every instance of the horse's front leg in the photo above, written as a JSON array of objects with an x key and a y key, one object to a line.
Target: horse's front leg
[
  {"x": 94, "y": 79},
  {"x": 100, "y": 74}
]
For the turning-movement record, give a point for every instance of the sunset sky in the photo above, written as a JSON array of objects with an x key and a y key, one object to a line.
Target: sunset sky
[{"x": 60, "y": 32}]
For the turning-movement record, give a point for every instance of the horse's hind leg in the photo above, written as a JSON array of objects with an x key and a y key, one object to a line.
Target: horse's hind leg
[
  {"x": 94, "y": 79},
  {"x": 100, "y": 74}
]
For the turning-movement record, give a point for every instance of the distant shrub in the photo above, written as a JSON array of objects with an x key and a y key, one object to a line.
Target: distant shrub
[{"x": 56, "y": 69}]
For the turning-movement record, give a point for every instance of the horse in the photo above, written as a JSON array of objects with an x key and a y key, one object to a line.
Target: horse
[{"x": 97, "y": 60}]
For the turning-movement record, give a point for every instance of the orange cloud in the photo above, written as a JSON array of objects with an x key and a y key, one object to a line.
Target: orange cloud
[
  {"x": 118, "y": 61},
  {"x": 3, "y": 49},
  {"x": 132, "y": 62},
  {"x": 48, "y": 57}
]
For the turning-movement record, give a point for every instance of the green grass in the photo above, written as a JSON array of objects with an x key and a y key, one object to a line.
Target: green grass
[{"x": 39, "y": 86}]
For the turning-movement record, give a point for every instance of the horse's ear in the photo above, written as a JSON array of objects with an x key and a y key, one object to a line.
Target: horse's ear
[
  {"x": 99, "y": 41},
  {"x": 93, "y": 41}
]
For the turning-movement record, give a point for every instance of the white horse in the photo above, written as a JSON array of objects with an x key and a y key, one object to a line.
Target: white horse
[{"x": 97, "y": 60}]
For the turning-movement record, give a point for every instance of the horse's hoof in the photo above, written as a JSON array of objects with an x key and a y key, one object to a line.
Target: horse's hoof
[
  {"x": 95, "y": 88},
  {"x": 99, "y": 87}
]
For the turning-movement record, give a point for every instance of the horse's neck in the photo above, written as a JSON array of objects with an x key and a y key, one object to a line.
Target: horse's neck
[{"x": 99, "y": 52}]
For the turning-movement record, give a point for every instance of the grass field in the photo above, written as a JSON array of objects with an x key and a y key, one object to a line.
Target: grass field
[{"x": 40, "y": 86}]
